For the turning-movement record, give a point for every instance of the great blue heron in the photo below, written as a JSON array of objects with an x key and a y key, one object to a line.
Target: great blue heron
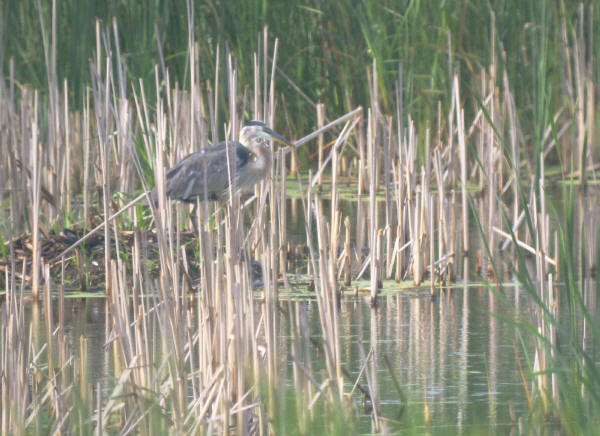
[{"x": 205, "y": 174}]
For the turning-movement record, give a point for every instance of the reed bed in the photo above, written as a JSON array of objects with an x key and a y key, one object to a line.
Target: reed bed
[{"x": 190, "y": 351}]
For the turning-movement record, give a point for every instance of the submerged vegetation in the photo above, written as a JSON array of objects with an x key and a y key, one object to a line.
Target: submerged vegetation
[{"x": 434, "y": 143}]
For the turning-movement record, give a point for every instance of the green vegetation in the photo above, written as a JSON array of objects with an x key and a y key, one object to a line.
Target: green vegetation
[
  {"x": 454, "y": 125},
  {"x": 325, "y": 48}
]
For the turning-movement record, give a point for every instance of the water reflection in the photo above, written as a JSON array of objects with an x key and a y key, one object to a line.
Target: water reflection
[{"x": 455, "y": 362}]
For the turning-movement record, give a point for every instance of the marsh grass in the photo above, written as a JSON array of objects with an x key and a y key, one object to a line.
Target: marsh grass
[{"x": 189, "y": 352}]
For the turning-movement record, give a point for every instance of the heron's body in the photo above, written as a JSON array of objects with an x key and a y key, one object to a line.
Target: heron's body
[{"x": 206, "y": 174}]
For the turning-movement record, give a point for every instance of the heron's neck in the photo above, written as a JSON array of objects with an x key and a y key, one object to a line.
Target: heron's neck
[{"x": 263, "y": 159}]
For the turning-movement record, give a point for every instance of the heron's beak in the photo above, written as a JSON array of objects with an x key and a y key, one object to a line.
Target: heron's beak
[{"x": 276, "y": 136}]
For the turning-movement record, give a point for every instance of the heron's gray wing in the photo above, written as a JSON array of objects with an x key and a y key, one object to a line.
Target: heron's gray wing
[{"x": 204, "y": 173}]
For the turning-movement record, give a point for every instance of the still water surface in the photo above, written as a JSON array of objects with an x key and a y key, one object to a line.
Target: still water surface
[{"x": 456, "y": 364}]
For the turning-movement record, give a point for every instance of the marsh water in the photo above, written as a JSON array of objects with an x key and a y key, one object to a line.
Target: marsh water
[
  {"x": 460, "y": 366},
  {"x": 457, "y": 365}
]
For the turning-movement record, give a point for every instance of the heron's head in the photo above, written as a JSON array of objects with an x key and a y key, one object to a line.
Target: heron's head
[{"x": 257, "y": 133}]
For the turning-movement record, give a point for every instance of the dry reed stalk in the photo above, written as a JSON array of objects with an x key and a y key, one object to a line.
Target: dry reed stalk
[
  {"x": 544, "y": 231},
  {"x": 128, "y": 320},
  {"x": 232, "y": 258},
  {"x": 53, "y": 156},
  {"x": 353, "y": 114},
  {"x": 36, "y": 165},
  {"x": 426, "y": 211},
  {"x": 431, "y": 242},
  {"x": 462, "y": 150},
  {"x": 376, "y": 266},
  {"x": 579, "y": 97},
  {"x": 441, "y": 206},
  {"x": 373, "y": 219},
  {"x": 282, "y": 216},
  {"x": 388, "y": 252},
  {"x": 552, "y": 304},
  {"x": 336, "y": 216},
  {"x": 452, "y": 161},
  {"x": 514, "y": 135},
  {"x": 64, "y": 189},
  {"x": 376, "y": 115},
  {"x": 53, "y": 369},
  {"x": 102, "y": 105},
  {"x": 86, "y": 158},
  {"x": 540, "y": 366},
  {"x": 422, "y": 236},
  {"x": 270, "y": 244},
  {"x": 590, "y": 88},
  {"x": 265, "y": 71},
  {"x": 15, "y": 180},
  {"x": 372, "y": 379},
  {"x": 415, "y": 236},
  {"x": 410, "y": 157},
  {"x": 65, "y": 357},
  {"x": 399, "y": 256},
  {"x": 257, "y": 106},
  {"x": 327, "y": 297},
  {"x": 490, "y": 183},
  {"x": 14, "y": 381},
  {"x": 302, "y": 362},
  {"x": 453, "y": 236},
  {"x": 536, "y": 242},
  {"x": 401, "y": 209},
  {"x": 347, "y": 267},
  {"x": 337, "y": 148},
  {"x": 320, "y": 139},
  {"x": 522, "y": 244},
  {"x": 388, "y": 180}
]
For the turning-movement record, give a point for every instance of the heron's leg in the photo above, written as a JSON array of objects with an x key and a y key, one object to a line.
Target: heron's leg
[
  {"x": 221, "y": 204},
  {"x": 200, "y": 210},
  {"x": 195, "y": 218}
]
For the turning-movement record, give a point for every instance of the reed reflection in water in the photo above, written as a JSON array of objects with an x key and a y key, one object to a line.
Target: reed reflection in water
[{"x": 455, "y": 363}]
